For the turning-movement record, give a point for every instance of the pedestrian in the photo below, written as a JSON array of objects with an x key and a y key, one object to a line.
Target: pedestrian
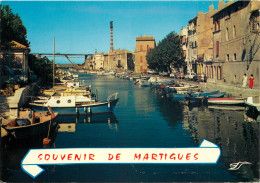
[
  {"x": 251, "y": 81},
  {"x": 244, "y": 80}
]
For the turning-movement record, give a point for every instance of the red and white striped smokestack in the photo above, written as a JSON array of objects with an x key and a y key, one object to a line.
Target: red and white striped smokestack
[{"x": 111, "y": 36}]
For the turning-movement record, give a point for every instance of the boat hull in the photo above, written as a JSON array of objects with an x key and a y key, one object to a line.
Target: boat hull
[
  {"x": 95, "y": 108},
  {"x": 32, "y": 131},
  {"x": 226, "y": 101}
]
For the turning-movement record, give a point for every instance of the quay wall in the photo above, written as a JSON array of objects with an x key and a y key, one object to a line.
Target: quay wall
[
  {"x": 231, "y": 90},
  {"x": 21, "y": 97}
]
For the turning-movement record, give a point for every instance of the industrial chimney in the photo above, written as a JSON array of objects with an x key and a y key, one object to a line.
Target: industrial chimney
[{"x": 111, "y": 36}]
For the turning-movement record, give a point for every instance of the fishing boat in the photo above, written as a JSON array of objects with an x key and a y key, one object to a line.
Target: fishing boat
[
  {"x": 226, "y": 101},
  {"x": 195, "y": 99},
  {"x": 178, "y": 97},
  {"x": 185, "y": 87},
  {"x": 205, "y": 93},
  {"x": 143, "y": 82},
  {"x": 76, "y": 104},
  {"x": 227, "y": 107},
  {"x": 218, "y": 95},
  {"x": 67, "y": 91},
  {"x": 30, "y": 124}
]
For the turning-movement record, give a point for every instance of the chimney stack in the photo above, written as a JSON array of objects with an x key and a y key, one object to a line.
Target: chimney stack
[{"x": 111, "y": 36}]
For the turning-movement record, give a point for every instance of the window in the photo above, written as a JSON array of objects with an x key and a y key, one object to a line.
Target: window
[
  {"x": 217, "y": 49},
  {"x": 227, "y": 57},
  {"x": 141, "y": 59},
  {"x": 217, "y": 24},
  {"x": 195, "y": 44},
  {"x": 58, "y": 101},
  {"x": 141, "y": 47},
  {"x": 234, "y": 31},
  {"x": 69, "y": 101},
  {"x": 235, "y": 56},
  {"x": 148, "y": 47},
  {"x": 227, "y": 37}
]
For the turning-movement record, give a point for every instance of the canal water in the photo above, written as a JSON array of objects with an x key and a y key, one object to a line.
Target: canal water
[{"x": 145, "y": 118}]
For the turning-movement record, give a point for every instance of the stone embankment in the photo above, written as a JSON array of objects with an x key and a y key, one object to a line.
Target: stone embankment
[
  {"x": 231, "y": 90},
  {"x": 9, "y": 105}
]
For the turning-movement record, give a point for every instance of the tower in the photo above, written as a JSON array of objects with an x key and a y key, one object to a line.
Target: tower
[{"x": 111, "y": 36}]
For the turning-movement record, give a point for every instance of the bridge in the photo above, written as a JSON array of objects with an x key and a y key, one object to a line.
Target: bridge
[
  {"x": 67, "y": 55},
  {"x": 64, "y": 65}
]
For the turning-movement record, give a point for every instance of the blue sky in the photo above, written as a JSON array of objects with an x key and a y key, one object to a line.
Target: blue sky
[{"x": 83, "y": 26}]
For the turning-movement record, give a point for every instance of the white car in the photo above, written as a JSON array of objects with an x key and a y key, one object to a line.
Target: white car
[{"x": 190, "y": 76}]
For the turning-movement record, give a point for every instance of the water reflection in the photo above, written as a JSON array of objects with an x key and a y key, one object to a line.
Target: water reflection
[
  {"x": 14, "y": 151},
  {"x": 238, "y": 140},
  {"x": 68, "y": 123}
]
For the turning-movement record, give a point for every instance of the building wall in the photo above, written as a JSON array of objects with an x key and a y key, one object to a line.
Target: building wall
[
  {"x": 15, "y": 59},
  {"x": 98, "y": 61},
  {"x": 118, "y": 60},
  {"x": 204, "y": 35},
  {"x": 192, "y": 54},
  {"x": 142, "y": 46},
  {"x": 238, "y": 50}
]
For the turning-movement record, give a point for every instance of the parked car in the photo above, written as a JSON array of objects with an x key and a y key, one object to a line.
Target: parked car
[
  {"x": 189, "y": 76},
  {"x": 21, "y": 75}
]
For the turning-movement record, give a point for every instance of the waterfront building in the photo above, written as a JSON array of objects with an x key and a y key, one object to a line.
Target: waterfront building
[
  {"x": 199, "y": 41},
  {"x": 121, "y": 60},
  {"x": 183, "y": 37},
  {"x": 97, "y": 61},
  {"x": 191, "y": 55},
  {"x": 15, "y": 55},
  {"x": 236, "y": 42},
  {"x": 142, "y": 45}
]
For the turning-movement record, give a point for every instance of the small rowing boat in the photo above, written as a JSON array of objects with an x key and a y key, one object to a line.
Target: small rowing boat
[
  {"x": 31, "y": 124},
  {"x": 226, "y": 101}
]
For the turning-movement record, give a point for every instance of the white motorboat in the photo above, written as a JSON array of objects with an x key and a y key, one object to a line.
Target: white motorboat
[{"x": 75, "y": 104}]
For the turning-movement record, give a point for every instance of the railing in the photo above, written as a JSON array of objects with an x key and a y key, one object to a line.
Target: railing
[
  {"x": 255, "y": 26},
  {"x": 114, "y": 95}
]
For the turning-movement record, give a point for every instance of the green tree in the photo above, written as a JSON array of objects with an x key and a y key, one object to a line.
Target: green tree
[
  {"x": 168, "y": 52},
  {"x": 12, "y": 27},
  {"x": 42, "y": 67}
]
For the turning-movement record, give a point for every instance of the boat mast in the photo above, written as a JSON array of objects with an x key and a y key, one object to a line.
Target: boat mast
[{"x": 53, "y": 62}]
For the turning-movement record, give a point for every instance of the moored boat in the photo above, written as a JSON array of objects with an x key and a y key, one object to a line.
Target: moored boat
[
  {"x": 226, "y": 101},
  {"x": 218, "y": 95},
  {"x": 76, "y": 104},
  {"x": 226, "y": 107},
  {"x": 30, "y": 124}
]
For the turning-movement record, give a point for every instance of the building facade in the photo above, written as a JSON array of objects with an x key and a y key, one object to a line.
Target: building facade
[
  {"x": 15, "y": 55},
  {"x": 142, "y": 46},
  {"x": 191, "y": 50},
  {"x": 121, "y": 60},
  {"x": 200, "y": 41},
  {"x": 236, "y": 42}
]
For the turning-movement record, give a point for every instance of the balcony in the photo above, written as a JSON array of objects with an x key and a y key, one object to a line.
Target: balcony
[{"x": 254, "y": 26}]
